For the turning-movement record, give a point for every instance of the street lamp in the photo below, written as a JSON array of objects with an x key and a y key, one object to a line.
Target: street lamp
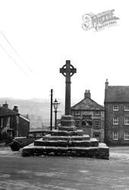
[{"x": 55, "y": 104}]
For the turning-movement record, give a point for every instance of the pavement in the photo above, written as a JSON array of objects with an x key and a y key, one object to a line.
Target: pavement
[{"x": 64, "y": 173}]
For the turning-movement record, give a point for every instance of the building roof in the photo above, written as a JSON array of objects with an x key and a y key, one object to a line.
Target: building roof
[
  {"x": 117, "y": 94},
  {"x": 7, "y": 112},
  {"x": 87, "y": 104},
  {"x": 24, "y": 118}
]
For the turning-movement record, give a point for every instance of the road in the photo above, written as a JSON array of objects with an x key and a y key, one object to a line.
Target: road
[{"x": 64, "y": 173}]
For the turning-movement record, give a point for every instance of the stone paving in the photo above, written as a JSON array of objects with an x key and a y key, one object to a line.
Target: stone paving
[{"x": 64, "y": 173}]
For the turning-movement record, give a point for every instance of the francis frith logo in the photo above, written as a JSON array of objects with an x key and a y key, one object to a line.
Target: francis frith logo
[{"x": 99, "y": 21}]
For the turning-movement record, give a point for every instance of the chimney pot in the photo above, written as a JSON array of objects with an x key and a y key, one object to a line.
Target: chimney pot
[
  {"x": 106, "y": 84},
  {"x": 87, "y": 94},
  {"x": 5, "y": 105},
  {"x": 15, "y": 108}
]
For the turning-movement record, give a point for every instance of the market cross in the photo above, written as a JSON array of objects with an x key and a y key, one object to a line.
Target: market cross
[{"x": 68, "y": 71}]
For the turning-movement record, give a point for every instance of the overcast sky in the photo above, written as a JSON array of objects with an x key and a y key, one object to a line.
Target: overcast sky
[{"x": 38, "y": 36}]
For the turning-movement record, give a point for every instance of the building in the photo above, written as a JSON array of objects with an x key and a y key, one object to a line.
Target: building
[
  {"x": 89, "y": 116},
  {"x": 116, "y": 114},
  {"x": 12, "y": 123},
  {"x": 23, "y": 126}
]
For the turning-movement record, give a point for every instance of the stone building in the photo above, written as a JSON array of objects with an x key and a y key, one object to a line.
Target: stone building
[
  {"x": 116, "y": 114},
  {"x": 12, "y": 123},
  {"x": 89, "y": 116},
  {"x": 23, "y": 126}
]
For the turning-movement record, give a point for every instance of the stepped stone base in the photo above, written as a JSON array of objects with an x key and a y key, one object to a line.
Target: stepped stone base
[
  {"x": 67, "y": 141},
  {"x": 101, "y": 152}
]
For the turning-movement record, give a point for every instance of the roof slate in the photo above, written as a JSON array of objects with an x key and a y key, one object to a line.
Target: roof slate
[
  {"x": 117, "y": 94},
  {"x": 87, "y": 104}
]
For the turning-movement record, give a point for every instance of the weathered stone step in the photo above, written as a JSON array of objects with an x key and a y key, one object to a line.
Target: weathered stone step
[
  {"x": 67, "y": 143},
  {"x": 101, "y": 152},
  {"x": 67, "y": 133},
  {"x": 49, "y": 137}
]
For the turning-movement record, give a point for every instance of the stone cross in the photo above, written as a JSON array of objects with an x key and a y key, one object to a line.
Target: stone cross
[{"x": 68, "y": 71}]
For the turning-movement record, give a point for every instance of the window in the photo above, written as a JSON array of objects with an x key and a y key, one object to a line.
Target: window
[
  {"x": 77, "y": 113},
  {"x": 126, "y": 135},
  {"x": 83, "y": 123},
  {"x": 97, "y": 135},
  {"x": 97, "y": 124},
  {"x": 126, "y": 120},
  {"x": 77, "y": 122},
  {"x": 115, "y": 121},
  {"x": 126, "y": 108},
  {"x": 115, "y": 135},
  {"x": 115, "y": 108}
]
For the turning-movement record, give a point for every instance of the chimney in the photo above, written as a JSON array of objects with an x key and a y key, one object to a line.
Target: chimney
[
  {"x": 87, "y": 94},
  {"x": 15, "y": 108},
  {"x": 5, "y": 105},
  {"x": 106, "y": 84}
]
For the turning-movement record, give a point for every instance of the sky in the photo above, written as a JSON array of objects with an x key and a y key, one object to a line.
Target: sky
[{"x": 38, "y": 36}]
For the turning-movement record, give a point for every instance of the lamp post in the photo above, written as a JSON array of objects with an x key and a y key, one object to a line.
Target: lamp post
[
  {"x": 55, "y": 104},
  {"x": 51, "y": 109}
]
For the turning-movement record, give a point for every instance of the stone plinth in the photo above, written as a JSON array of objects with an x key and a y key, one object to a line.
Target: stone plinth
[
  {"x": 67, "y": 120},
  {"x": 67, "y": 123}
]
